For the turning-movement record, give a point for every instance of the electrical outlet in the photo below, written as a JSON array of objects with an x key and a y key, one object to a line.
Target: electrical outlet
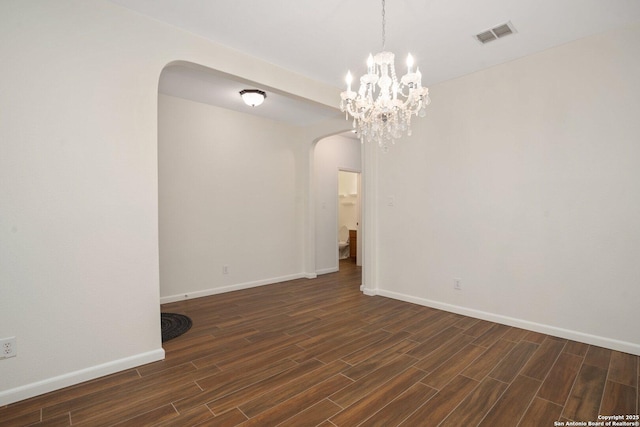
[
  {"x": 8, "y": 347},
  {"x": 225, "y": 269},
  {"x": 457, "y": 284}
]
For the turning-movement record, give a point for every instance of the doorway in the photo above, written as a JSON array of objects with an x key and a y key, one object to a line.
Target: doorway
[
  {"x": 332, "y": 154},
  {"x": 349, "y": 217}
]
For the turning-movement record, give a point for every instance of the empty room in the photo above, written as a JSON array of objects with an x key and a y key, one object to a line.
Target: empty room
[{"x": 178, "y": 245}]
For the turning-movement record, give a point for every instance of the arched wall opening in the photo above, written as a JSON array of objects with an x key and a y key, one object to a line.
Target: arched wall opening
[
  {"x": 331, "y": 154},
  {"x": 234, "y": 196}
]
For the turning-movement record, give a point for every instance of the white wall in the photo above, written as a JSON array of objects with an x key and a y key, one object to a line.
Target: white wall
[
  {"x": 524, "y": 182},
  {"x": 230, "y": 190},
  {"x": 79, "y": 269},
  {"x": 330, "y": 155}
]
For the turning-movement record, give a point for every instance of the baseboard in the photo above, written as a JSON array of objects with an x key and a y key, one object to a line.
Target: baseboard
[
  {"x": 613, "y": 344},
  {"x": 327, "y": 270},
  {"x": 236, "y": 287},
  {"x": 45, "y": 386},
  {"x": 369, "y": 292}
]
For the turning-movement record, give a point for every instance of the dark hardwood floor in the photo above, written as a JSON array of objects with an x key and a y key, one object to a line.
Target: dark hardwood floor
[{"x": 320, "y": 353}]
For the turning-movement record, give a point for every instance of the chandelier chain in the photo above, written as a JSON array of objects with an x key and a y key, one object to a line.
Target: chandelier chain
[{"x": 384, "y": 24}]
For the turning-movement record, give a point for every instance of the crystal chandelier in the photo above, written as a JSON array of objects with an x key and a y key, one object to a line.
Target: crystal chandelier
[{"x": 382, "y": 107}]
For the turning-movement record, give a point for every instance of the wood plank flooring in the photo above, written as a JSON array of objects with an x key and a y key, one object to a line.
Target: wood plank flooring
[{"x": 320, "y": 353}]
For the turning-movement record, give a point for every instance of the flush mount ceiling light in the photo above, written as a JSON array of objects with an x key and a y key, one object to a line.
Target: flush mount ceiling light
[
  {"x": 253, "y": 97},
  {"x": 382, "y": 107}
]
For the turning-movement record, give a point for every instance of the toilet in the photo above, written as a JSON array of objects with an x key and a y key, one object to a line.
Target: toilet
[{"x": 343, "y": 242}]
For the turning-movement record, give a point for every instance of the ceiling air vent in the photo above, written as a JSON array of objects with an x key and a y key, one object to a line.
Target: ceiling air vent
[{"x": 495, "y": 33}]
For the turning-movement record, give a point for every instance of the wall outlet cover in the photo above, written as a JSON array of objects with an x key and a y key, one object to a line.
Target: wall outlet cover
[{"x": 8, "y": 347}]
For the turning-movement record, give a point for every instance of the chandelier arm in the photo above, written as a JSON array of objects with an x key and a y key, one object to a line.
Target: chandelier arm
[
  {"x": 349, "y": 108},
  {"x": 401, "y": 92},
  {"x": 410, "y": 106}
]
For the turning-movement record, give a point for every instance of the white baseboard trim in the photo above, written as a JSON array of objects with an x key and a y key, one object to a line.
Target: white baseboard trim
[
  {"x": 310, "y": 276},
  {"x": 327, "y": 270},
  {"x": 230, "y": 288},
  {"x": 624, "y": 346},
  {"x": 45, "y": 386}
]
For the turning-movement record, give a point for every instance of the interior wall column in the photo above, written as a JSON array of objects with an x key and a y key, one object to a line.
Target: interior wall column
[
  {"x": 369, "y": 153},
  {"x": 310, "y": 220}
]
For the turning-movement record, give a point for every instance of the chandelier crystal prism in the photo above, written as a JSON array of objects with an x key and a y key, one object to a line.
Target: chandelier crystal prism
[{"x": 383, "y": 106}]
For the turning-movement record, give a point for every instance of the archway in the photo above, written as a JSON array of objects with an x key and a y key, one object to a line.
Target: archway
[
  {"x": 218, "y": 268},
  {"x": 330, "y": 155}
]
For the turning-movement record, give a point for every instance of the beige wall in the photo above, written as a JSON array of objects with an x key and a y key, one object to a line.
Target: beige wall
[
  {"x": 79, "y": 259},
  {"x": 524, "y": 182},
  {"x": 231, "y": 194}
]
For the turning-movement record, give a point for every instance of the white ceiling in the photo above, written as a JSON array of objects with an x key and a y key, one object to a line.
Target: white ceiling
[
  {"x": 207, "y": 86},
  {"x": 322, "y": 39}
]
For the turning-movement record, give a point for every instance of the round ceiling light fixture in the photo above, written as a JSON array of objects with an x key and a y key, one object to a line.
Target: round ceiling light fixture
[{"x": 253, "y": 97}]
